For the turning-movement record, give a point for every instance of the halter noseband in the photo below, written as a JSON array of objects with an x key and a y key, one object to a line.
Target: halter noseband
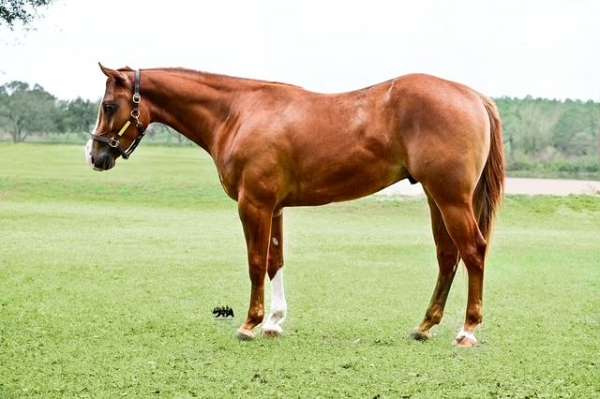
[{"x": 114, "y": 141}]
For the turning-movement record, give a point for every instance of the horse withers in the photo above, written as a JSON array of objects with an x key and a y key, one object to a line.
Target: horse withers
[{"x": 277, "y": 145}]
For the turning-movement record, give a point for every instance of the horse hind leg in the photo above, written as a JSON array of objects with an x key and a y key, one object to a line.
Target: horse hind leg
[
  {"x": 273, "y": 325},
  {"x": 447, "y": 256},
  {"x": 461, "y": 224}
]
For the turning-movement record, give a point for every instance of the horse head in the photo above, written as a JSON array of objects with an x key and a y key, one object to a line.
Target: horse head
[{"x": 122, "y": 119}]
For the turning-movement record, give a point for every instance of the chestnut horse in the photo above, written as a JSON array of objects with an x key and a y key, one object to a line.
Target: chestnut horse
[{"x": 277, "y": 145}]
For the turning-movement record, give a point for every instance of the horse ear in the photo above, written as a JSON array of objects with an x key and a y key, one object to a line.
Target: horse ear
[{"x": 113, "y": 73}]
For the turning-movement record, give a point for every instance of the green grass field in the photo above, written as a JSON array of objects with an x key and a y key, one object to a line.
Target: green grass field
[{"x": 107, "y": 282}]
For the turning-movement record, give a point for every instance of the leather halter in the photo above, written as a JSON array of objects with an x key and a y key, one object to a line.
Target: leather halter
[{"x": 134, "y": 117}]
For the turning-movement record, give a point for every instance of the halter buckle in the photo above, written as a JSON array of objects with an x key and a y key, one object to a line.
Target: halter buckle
[
  {"x": 113, "y": 142},
  {"x": 136, "y": 98}
]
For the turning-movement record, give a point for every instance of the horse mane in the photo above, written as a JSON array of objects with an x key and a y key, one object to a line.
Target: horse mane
[{"x": 213, "y": 76}]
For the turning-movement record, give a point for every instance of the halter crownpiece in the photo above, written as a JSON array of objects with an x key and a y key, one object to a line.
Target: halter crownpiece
[{"x": 114, "y": 141}]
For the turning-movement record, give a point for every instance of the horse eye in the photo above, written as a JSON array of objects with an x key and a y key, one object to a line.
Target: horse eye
[{"x": 109, "y": 108}]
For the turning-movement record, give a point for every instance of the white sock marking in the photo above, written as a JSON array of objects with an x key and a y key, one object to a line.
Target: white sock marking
[
  {"x": 278, "y": 304},
  {"x": 465, "y": 334}
]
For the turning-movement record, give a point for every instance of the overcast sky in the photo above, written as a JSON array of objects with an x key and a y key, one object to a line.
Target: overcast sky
[{"x": 510, "y": 47}]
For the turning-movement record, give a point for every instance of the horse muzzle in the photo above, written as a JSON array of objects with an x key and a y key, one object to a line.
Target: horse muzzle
[{"x": 102, "y": 160}]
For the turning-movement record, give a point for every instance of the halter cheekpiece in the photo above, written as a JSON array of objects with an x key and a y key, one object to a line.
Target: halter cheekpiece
[{"x": 134, "y": 117}]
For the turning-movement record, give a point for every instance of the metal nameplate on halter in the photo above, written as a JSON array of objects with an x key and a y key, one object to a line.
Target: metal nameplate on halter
[{"x": 125, "y": 126}]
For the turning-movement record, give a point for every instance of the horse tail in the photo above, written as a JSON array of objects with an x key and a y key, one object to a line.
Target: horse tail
[{"x": 490, "y": 188}]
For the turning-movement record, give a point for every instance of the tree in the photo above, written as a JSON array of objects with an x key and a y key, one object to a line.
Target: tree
[
  {"x": 25, "y": 110},
  {"x": 574, "y": 132},
  {"x": 76, "y": 116},
  {"x": 13, "y": 11}
]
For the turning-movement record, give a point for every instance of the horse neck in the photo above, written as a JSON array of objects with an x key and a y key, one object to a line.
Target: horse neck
[{"x": 193, "y": 103}]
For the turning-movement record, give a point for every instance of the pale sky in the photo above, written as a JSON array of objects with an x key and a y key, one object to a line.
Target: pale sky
[{"x": 510, "y": 47}]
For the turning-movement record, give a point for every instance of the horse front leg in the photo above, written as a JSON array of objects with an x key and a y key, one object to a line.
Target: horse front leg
[
  {"x": 273, "y": 325},
  {"x": 256, "y": 220}
]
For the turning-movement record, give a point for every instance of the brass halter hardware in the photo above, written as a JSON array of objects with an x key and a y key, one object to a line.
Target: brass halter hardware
[{"x": 134, "y": 117}]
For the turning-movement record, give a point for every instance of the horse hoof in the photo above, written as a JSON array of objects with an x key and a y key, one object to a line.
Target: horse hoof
[
  {"x": 272, "y": 331},
  {"x": 465, "y": 343},
  {"x": 419, "y": 335},
  {"x": 244, "y": 334},
  {"x": 465, "y": 340}
]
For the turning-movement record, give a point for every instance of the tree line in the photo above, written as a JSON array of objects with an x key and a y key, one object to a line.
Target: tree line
[
  {"x": 545, "y": 136},
  {"x": 31, "y": 113},
  {"x": 551, "y": 137}
]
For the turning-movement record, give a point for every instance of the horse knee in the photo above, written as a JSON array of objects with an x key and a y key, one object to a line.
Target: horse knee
[{"x": 258, "y": 266}]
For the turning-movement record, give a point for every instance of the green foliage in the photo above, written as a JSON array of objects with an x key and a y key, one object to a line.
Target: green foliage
[
  {"x": 23, "y": 11},
  {"x": 107, "y": 281},
  {"x": 25, "y": 110},
  {"x": 77, "y": 115},
  {"x": 542, "y": 128},
  {"x": 551, "y": 137}
]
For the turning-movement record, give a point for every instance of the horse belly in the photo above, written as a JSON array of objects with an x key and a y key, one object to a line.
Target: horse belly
[{"x": 341, "y": 181}]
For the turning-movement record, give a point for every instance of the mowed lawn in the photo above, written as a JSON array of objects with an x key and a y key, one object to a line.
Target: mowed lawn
[{"x": 107, "y": 282}]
